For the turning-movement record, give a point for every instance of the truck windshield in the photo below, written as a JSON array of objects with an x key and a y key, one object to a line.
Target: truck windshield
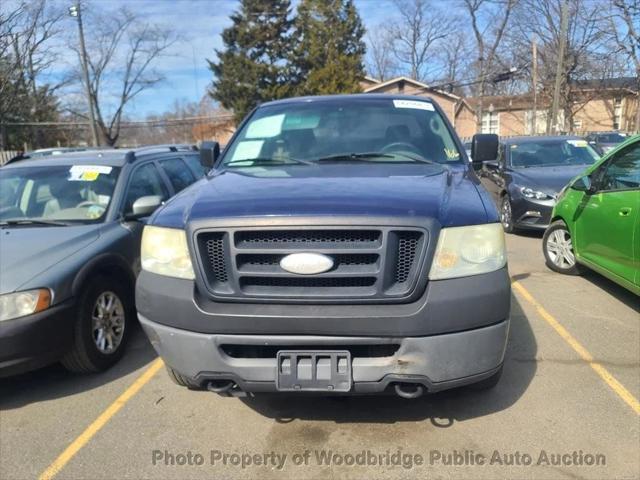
[
  {"x": 343, "y": 130},
  {"x": 56, "y": 194}
]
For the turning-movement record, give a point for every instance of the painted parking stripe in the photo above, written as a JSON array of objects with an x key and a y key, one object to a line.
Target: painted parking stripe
[
  {"x": 602, "y": 372},
  {"x": 75, "y": 446}
]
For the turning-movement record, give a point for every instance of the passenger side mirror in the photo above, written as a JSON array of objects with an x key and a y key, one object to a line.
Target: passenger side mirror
[
  {"x": 484, "y": 147},
  {"x": 144, "y": 206},
  {"x": 584, "y": 184},
  {"x": 209, "y": 153}
]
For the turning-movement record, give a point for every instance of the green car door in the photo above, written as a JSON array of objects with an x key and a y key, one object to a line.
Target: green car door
[{"x": 607, "y": 222}]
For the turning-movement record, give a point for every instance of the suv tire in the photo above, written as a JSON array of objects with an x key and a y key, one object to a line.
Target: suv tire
[
  {"x": 489, "y": 382},
  {"x": 103, "y": 324},
  {"x": 181, "y": 380}
]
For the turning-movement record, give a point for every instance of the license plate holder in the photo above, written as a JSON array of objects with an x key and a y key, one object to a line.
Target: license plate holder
[{"x": 313, "y": 371}]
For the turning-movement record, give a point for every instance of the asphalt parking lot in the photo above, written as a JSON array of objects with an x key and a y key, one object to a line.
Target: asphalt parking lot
[{"x": 566, "y": 407}]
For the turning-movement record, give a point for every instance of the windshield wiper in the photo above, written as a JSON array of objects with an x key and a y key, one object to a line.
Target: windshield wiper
[
  {"x": 33, "y": 221},
  {"x": 263, "y": 161},
  {"x": 368, "y": 157}
]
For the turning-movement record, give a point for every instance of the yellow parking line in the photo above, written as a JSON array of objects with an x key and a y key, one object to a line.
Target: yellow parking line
[
  {"x": 75, "y": 446},
  {"x": 602, "y": 372}
]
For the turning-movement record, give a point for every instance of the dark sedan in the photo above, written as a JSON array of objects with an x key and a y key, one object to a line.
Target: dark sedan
[
  {"x": 606, "y": 141},
  {"x": 529, "y": 173}
]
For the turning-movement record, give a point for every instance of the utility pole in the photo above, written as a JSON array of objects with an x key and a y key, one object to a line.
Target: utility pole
[
  {"x": 564, "y": 26},
  {"x": 74, "y": 11},
  {"x": 534, "y": 85}
]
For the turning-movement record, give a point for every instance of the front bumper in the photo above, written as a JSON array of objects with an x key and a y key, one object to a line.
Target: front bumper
[
  {"x": 532, "y": 214},
  {"x": 437, "y": 362},
  {"x": 454, "y": 334},
  {"x": 33, "y": 341}
]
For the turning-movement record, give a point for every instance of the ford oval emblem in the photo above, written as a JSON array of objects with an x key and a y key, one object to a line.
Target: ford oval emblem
[{"x": 306, "y": 263}]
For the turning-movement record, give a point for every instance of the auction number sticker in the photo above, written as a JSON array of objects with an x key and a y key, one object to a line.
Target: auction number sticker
[
  {"x": 413, "y": 104},
  {"x": 87, "y": 173},
  {"x": 578, "y": 143}
]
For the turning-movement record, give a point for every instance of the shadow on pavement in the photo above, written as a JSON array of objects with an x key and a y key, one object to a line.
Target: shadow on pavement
[
  {"x": 613, "y": 289},
  {"x": 443, "y": 409},
  {"x": 55, "y": 381}
]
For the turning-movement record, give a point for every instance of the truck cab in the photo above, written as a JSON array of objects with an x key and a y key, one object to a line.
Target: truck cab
[{"x": 340, "y": 244}]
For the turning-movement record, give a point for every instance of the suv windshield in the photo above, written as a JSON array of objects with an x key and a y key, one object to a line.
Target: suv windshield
[
  {"x": 57, "y": 193},
  {"x": 552, "y": 153},
  {"x": 343, "y": 130}
]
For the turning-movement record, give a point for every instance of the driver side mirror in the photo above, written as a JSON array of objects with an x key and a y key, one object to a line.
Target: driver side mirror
[
  {"x": 484, "y": 147},
  {"x": 584, "y": 184},
  {"x": 209, "y": 153},
  {"x": 144, "y": 206}
]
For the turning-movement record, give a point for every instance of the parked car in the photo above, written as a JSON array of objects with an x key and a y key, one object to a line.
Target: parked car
[
  {"x": 341, "y": 244},
  {"x": 528, "y": 174},
  {"x": 596, "y": 222},
  {"x": 605, "y": 141},
  {"x": 70, "y": 229}
]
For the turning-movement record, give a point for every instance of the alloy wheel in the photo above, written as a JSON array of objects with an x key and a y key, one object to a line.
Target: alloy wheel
[
  {"x": 108, "y": 322},
  {"x": 560, "y": 249}
]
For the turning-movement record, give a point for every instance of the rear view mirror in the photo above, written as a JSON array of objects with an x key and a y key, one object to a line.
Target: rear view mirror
[
  {"x": 209, "y": 153},
  {"x": 145, "y": 206},
  {"x": 583, "y": 184},
  {"x": 484, "y": 147}
]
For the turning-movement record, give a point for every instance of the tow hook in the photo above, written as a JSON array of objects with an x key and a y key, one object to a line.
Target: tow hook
[{"x": 409, "y": 390}]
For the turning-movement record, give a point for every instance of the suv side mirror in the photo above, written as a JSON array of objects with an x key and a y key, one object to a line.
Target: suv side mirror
[
  {"x": 144, "y": 206},
  {"x": 484, "y": 147},
  {"x": 584, "y": 184},
  {"x": 209, "y": 153}
]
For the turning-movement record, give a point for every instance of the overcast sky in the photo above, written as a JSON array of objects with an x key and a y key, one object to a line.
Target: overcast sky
[{"x": 199, "y": 23}]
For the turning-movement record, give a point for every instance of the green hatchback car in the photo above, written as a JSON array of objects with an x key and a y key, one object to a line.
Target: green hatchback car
[{"x": 596, "y": 220}]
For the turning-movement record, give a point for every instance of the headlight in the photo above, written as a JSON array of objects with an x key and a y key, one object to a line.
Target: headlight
[
  {"x": 19, "y": 304},
  {"x": 531, "y": 193},
  {"x": 465, "y": 251},
  {"x": 164, "y": 251}
]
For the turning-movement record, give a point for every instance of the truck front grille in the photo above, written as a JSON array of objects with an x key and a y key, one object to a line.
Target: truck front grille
[{"x": 369, "y": 263}]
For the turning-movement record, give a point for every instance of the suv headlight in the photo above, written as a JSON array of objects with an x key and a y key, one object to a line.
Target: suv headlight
[
  {"x": 20, "y": 304},
  {"x": 164, "y": 251},
  {"x": 465, "y": 251},
  {"x": 531, "y": 193}
]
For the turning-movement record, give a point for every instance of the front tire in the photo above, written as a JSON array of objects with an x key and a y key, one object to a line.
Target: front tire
[
  {"x": 103, "y": 323},
  {"x": 557, "y": 247},
  {"x": 506, "y": 215}
]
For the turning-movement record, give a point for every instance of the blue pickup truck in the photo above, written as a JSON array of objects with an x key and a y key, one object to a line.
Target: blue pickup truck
[{"x": 340, "y": 244}]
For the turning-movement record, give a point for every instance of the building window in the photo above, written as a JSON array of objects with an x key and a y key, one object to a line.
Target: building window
[
  {"x": 490, "y": 122},
  {"x": 577, "y": 125},
  {"x": 617, "y": 113}
]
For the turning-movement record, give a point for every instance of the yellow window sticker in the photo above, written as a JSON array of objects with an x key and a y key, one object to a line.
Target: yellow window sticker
[
  {"x": 87, "y": 173},
  {"x": 578, "y": 143},
  {"x": 451, "y": 154}
]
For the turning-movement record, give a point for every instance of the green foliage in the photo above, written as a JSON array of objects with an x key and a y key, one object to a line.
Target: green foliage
[
  {"x": 251, "y": 68},
  {"x": 267, "y": 56},
  {"x": 328, "y": 53}
]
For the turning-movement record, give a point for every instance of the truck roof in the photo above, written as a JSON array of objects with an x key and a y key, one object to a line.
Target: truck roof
[{"x": 346, "y": 97}]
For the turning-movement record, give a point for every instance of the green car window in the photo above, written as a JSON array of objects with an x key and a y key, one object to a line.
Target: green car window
[{"x": 622, "y": 172}]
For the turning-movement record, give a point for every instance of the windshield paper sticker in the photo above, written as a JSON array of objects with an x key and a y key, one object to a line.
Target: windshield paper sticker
[
  {"x": 578, "y": 143},
  {"x": 87, "y": 173},
  {"x": 413, "y": 104}
]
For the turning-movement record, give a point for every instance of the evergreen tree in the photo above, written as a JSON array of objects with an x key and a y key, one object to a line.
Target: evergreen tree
[
  {"x": 252, "y": 66},
  {"x": 328, "y": 48}
]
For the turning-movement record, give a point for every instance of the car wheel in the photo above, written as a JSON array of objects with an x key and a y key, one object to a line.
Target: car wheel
[
  {"x": 558, "y": 249},
  {"x": 181, "y": 380},
  {"x": 506, "y": 215},
  {"x": 489, "y": 382},
  {"x": 103, "y": 323}
]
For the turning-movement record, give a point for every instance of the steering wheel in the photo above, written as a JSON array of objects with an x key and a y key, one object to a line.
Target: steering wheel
[
  {"x": 402, "y": 147},
  {"x": 87, "y": 204}
]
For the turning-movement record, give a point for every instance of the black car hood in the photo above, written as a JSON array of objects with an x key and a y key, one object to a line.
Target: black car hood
[
  {"x": 448, "y": 195},
  {"x": 26, "y": 251},
  {"x": 546, "y": 179}
]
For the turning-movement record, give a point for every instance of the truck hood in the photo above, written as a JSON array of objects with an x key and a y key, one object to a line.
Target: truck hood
[
  {"x": 26, "y": 251},
  {"x": 448, "y": 195},
  {"x": 547, "y": 179}
]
